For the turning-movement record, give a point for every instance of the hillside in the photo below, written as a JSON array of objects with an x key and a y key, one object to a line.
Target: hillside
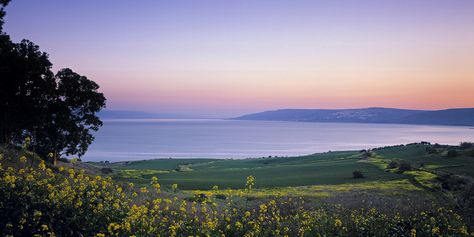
[
  {"x": 39, "y": 199},
  {"x": 369, "y": 115},
  {"x": 330, "y": 168}
]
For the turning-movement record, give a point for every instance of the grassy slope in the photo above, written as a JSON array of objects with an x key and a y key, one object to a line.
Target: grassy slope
[
  {"x": 327, "y": 168},
  {"x": 438, "y": 162},
  {"x": 331, "y": 168}
]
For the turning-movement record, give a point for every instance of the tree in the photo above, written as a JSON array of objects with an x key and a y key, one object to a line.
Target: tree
[
  {"x": 71, "y": 116},
  {"x": 58, "y": 112},
  {"x": 404, "y": 166},
  {"x": 466, "y": 145},
  {"x": 356, "y": 174},
  {"x": 3, "y": 4},
  {"x": 452, "y": 153},
  {"x": 26, "y": 87},
  {"x": 392, "y": 164}
]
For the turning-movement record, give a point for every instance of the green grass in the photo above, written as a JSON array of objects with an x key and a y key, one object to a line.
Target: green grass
[
  {"x": 331, "y": 168},
  {"x": 417, "y": 155},
  {"x": 394, "y": 187}
]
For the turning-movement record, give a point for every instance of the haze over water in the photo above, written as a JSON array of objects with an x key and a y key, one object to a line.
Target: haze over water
[{"x": 138, "y": 139}]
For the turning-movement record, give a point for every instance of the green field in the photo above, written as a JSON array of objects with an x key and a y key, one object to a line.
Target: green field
[
  {"x": 422, "y": 188},
  {"x": 331, "y": 168}
]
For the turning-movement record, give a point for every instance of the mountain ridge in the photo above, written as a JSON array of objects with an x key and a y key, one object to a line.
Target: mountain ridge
[{"x": 454, "y": 116}]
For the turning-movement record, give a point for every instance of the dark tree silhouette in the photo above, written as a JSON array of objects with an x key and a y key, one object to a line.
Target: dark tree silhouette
[
  {"x": 58, "y": 112},
  {"x": 26, "y": 83},
  {"x": 71, "y": 116},
  {"x": 26, "y": 86},
  {"x": 3, "y": 4}
]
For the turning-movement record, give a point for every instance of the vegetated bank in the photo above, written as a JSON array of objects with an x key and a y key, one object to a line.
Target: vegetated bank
[{"x": 74, "y": 199}]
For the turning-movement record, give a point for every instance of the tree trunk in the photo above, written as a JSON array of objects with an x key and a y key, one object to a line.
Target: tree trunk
[{"x": 55, "y": 158}]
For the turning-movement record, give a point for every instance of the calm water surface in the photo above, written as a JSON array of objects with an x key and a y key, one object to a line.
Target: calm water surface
[{"x": 140, "y": 139}]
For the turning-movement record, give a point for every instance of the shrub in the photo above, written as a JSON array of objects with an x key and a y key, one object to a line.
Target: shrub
[
  {"x": 452, "y": 182},
  {"x": 466, "y": 145},
  {"x": 392, "y": 164},
  {"x": 106, "y": 170},
  {"x": 220, "y": 196},
  {"x": 452, "y": 153},
  {"x": 368, "y": 154},
  {"x": 356, "y": 174},
  {"x": 63, "y": 159},
  {"x": 404, "y": 166},
  {"x": 199, "y": 197},
  {"x": 431, "y": 150}
]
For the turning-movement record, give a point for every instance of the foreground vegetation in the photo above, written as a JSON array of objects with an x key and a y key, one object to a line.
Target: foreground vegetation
[{"x": 45, "y": 200}]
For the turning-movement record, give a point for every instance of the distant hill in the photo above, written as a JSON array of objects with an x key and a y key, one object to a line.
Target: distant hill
[
  {"x": 126, "y": 114},
  {"x": 369, "y": 115}
]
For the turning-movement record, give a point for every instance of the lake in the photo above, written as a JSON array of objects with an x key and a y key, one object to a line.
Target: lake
[{"x": 138, "y": 139}]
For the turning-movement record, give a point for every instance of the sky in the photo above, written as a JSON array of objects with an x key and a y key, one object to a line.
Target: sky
[{"x": 226, "y": 58}]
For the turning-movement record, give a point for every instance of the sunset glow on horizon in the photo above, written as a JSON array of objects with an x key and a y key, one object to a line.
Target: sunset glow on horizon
[{"x": 227, "y": 58}]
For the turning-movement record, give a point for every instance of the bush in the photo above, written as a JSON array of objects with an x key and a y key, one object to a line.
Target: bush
[
  {"x": 452, "y": 153},
  {"x": 466, "y": 145},
  {"x": 392, "y": 165},
  {"x": 63, "y": 159},
  {"x": 199, "y": 197},
  {"x": 106, "y": 170},
  {"x": 220, "y": 196},
  {"x": 431, "y": 150},
  {"x": 356, "y": 174},
  {"x": 404, "y": 166},
  {"x": 452, "y": 182},
  {"x": 368, "y": 154}
]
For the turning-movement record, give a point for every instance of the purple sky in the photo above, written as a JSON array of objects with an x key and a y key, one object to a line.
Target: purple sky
[{"x": 224, "y": 58}]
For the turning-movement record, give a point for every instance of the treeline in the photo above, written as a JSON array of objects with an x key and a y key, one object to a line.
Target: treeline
[{"x": 55, "y": 112}]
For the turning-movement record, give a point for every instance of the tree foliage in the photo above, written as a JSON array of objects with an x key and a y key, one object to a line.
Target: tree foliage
[
  {"x": 57, "y": 111},
  {"x": 72, "y": 115},
  {"x": 3, "y": 4},
  {"x": 27, "y": 87}
]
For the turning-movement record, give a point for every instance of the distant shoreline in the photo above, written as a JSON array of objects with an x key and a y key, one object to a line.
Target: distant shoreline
[
  {"x": 262, "y": 120},
  {"x": 447, "y": 117}
]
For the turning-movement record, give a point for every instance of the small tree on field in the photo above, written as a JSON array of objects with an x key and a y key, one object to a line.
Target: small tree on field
[
  {"x": 466, "y": 145},
  {"x": 452, "y": 153},
  {"x": 392, "y": 165},
  {"x": 404, "y": 166},
  {"x": 357, "y": 174}
]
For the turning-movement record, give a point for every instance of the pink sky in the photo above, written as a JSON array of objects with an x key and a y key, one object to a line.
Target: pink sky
[{"x": 226, "y": 59}]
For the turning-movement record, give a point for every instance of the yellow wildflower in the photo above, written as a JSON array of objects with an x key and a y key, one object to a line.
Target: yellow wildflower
[
  {"x": 44, "y": 227},
  {"x": 42, "y": 165},
  {"x": 337, "y": 223}
]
